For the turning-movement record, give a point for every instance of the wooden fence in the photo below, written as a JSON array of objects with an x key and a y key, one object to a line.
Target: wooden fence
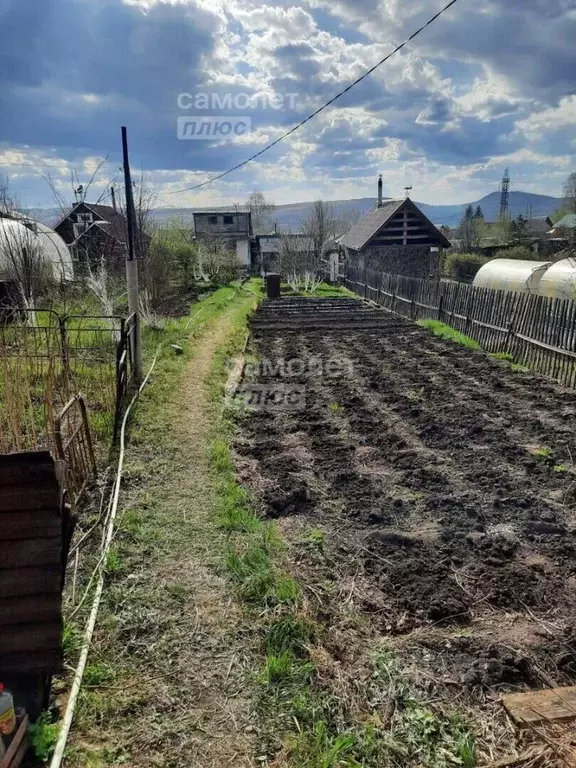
[{"x": 538, "y": 332}]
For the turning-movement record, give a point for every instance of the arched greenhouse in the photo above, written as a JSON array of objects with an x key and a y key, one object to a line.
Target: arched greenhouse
[
  {"x": 22, "y": 238},
  {"x": 522, "y": 276},
  {"x": 559, "y": 281}
]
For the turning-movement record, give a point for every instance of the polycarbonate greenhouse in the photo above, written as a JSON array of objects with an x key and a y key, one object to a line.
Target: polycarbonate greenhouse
[
  {"x": 519, "y": 275},
  {"x": 23, "y": 233},
  {"x": 559, "y": 281}
]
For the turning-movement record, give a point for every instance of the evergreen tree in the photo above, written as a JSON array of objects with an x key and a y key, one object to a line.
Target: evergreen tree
[
  {"x": 519, "y": 230},
  {"x": 479, "y": 213}
]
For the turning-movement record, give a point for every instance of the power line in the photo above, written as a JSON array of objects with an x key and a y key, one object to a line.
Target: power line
[{"x": 322, "y": 108}]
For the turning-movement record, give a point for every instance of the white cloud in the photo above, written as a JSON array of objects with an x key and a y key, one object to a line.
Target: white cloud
[{"x": 550, "y": 121}]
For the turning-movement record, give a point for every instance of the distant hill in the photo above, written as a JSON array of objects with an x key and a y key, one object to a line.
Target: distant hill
[{"x": 291, "y": 216}]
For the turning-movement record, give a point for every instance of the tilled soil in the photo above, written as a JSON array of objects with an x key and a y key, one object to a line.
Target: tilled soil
[{"x": 445, "y": 476}]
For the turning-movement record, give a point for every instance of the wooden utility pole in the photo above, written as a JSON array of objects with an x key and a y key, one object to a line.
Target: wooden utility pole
[{"x": 131, "y": 262}]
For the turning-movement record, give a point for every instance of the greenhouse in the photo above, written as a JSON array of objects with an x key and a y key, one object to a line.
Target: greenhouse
[
  {"x": 22, "y": 235},
  {"x": 559, "y": 281},
  {"x": 522, "y": 276}
]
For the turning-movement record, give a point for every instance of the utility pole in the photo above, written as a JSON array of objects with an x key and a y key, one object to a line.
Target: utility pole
[
  {"x": 131, "y": 262},
  {"x": 505, "y": 195}
]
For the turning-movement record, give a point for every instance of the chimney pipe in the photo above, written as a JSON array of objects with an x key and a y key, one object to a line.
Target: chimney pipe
[
  {"x": 113, "y": 191},
  {"x": 380, "y": 191}
]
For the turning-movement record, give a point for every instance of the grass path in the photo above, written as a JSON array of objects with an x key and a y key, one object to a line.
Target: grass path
[{"x": 168, "y": 681}]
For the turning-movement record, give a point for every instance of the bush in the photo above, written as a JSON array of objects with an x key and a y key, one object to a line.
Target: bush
[
  {"x": 463, "y": 266},
  {"x": 518, "y": 252}
]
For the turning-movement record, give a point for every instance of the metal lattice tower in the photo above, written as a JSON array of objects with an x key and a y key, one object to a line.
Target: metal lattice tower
[{"x": 505, "y": 194}]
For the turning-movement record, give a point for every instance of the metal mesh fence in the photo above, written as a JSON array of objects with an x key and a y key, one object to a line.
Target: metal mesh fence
[{"x": 46, "y": 359}]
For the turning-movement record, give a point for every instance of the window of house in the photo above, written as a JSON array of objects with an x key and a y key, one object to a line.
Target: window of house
[
  {"x": 84, "y": 218},
  {"x": 228, "y": 219},
  {"x": 79, "y": 229},
  {"x": 213, "y": 219}
]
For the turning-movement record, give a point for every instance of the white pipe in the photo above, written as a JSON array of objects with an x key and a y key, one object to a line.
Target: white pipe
[{"x": 79, "y": 673}]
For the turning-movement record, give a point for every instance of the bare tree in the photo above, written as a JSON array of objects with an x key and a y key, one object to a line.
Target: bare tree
[
  {"x": 320, "y": 226},
  {"x": 262, "y": 212},
  {"x": 184, "y": 247},
  {"x": 145, "y": 199},
  {"x": 344, "y": 221},
  {"x": 78, "y": 190},
  {"x": 8, "y": 202},
  {"x": 217, "y": 260},
  {"x": 296, "y": 254}
]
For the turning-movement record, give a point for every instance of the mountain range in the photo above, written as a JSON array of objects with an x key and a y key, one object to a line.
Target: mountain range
[{"x": 290, "y": 217}]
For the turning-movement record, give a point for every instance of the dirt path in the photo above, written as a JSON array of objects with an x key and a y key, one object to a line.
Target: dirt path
[{"x": 166, "y": 685}]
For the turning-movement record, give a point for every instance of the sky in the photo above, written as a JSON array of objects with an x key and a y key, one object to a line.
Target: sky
[{"x": 490, "y": 84}]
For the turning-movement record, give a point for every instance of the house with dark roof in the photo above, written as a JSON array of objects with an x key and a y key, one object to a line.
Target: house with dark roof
[
  {"x": 395, "y": 236},
  {"x": 94, "y": 232}
]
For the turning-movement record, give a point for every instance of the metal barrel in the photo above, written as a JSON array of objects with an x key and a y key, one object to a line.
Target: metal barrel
[{"x": 273, "y": 286}]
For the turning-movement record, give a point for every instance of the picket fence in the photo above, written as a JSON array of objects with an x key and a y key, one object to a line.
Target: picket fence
[{"x": 538, "y": 332}]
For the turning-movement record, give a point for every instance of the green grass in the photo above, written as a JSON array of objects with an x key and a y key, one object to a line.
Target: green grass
[
  {"x": 324, "y": 290},
  {"x": 508, "y": 358},
  {"x": 290, "y": 634},
  {"x": 143, "y": 602},
  {"x": 287, "y": 670},
  {"x": 544, "y": 453},
  {"x": 98, "y": 673},
  {"x": 315, "y": 539},
  {"x": 43, "y": 735},
  {"x": 297, "y": 705},
  {"x": 446, "y": 332}
]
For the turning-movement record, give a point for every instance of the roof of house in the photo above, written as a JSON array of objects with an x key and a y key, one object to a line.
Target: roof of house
[
  {"x": 366, "y": 228},
  {"x": 377, "y": 217},
  {"x": 566, "y": 222},
  {"x": 222, "y": 211},
  {"x": 113, "y": 222},
  {"x": 538, "y": 226}
]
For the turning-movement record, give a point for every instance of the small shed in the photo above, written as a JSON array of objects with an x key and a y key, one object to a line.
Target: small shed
[
  {"x": 520, "y": 275},
  {"x": 395, "y": 236}
]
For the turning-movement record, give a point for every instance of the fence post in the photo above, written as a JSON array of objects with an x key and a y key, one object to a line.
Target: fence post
[
  {"x": 120, "y": 344},
  {"x": 365, "y": 280},
  {"x": 440, "y": 305},
  {"x": 64, "y": 343},
  {"x": 469, "y": 308},
  {"x": 509, "y": 336}
]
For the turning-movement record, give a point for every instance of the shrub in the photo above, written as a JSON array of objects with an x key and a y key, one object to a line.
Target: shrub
[
  {"x": 518, "y": 252},
  {"x": 463, "y": 266}
]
